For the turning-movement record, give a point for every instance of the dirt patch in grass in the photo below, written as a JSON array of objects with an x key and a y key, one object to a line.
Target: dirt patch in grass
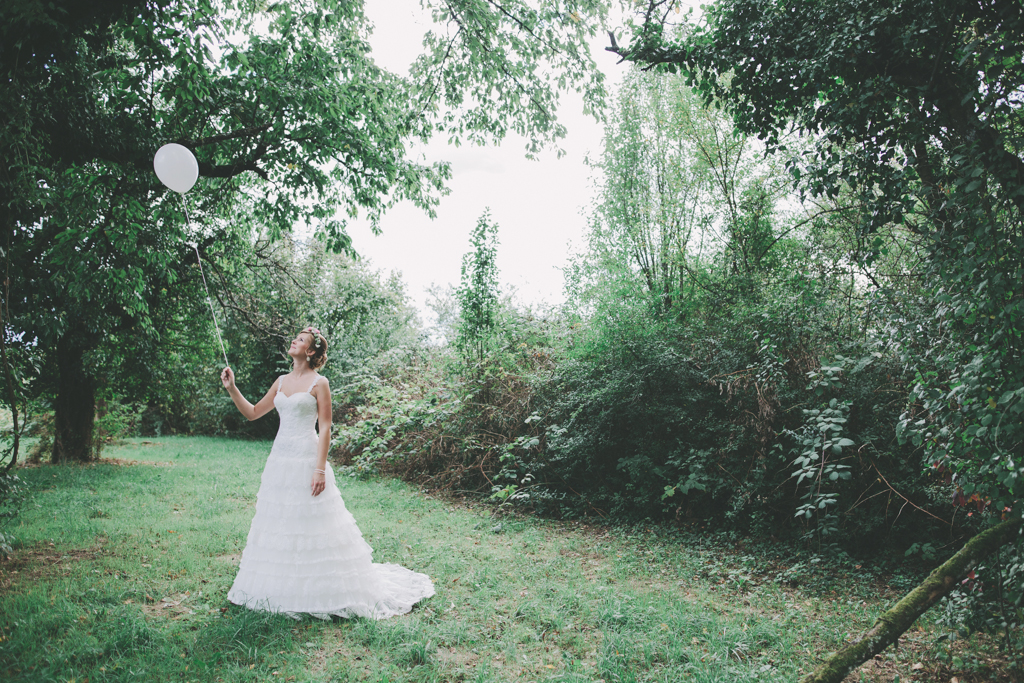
[
  {"x": 460, "y": 664},
  {"x": 334, "y": 651},
  {"x": 128, "y": 463},
  {"x": 44, "y": 560},
  {"x": 317, "y": 662},
  {"x": 119, "y": 462},
  {"x": 457, "y": 659},
  {"x": 168, "y": 607},
  {"x": 882, "y": 670},
  {"x": 914, "y": 660},
  {"x": 591, "y": 564},
  {"x": 233, "y": 559},
  {"x": 338, "y": 650}
]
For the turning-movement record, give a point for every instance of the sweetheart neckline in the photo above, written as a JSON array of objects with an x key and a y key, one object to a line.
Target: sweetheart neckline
[
  {"x": 297, "y": 393},
  {"x": 280, "y": 386}
]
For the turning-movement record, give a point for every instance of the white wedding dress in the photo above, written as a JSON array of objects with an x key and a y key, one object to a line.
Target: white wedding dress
[{"x": 305, "y": 554}]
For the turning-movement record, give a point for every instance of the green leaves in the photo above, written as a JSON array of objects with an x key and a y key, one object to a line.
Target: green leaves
[
  {"x": 293, "y": 123},
  {"x": 478, "y": 293},
  {"x": 816, "y": 443},
  {"x": 912, "y": 109},
  {"x": 494, "y": 68}
]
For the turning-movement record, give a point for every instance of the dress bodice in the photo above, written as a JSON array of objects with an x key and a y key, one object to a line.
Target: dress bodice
[{"x": 298, "y": 411}]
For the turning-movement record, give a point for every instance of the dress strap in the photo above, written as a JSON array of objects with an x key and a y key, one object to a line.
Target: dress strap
[
  {"x": 310, "y": 390},
  {"x": 280, "y": 383}
]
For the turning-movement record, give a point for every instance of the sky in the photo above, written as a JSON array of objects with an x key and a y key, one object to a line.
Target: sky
[{"x": 540, "y": 206}]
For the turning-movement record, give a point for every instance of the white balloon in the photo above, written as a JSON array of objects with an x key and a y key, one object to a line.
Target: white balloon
[{"x": 176, "y": 167}]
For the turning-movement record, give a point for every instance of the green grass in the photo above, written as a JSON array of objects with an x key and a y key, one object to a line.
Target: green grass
[{"x": 122, "y": 570}]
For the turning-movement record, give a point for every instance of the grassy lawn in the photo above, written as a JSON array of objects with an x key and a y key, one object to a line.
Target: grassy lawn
[{"x": 122, "y": 569}]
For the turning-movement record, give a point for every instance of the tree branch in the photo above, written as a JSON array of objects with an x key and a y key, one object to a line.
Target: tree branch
[
  {"x": 231, "y": 170},
  {"x": 893, "y": 623},
  {"x": 243, "y": 133}
]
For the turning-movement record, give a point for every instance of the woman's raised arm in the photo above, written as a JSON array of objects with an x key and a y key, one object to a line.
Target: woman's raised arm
[{"x": 249, "y": 411}]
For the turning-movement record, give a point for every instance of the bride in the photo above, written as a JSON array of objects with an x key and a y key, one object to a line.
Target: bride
[{"x": 305, "y": 554}]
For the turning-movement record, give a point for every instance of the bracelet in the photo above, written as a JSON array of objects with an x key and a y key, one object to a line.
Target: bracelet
[{"x": 319, "y": 471}]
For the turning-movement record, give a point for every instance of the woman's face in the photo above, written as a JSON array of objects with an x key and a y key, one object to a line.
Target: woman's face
[{"x": 300, "y": 345}]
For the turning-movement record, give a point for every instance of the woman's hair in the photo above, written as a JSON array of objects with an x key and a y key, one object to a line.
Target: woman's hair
[{"x": 319, "y": 345}]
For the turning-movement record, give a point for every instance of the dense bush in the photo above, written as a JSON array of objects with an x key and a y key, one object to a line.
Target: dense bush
[
  {"x": 694, "y": 422},
  {"x": 448, "y": 425}
]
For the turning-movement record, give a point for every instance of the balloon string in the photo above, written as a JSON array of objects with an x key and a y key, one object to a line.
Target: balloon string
[{"x": 206, "y": 286}]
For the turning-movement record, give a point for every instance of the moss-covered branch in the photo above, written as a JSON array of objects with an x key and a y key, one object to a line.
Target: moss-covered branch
[{"x": 893, "y": 623}]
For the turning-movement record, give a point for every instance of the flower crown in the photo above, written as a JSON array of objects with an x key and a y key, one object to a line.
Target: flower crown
[{"x": 317, "y": 337}]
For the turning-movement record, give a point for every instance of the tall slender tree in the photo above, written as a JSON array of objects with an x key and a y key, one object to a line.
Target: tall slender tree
[{"x": 478, "y": 292}]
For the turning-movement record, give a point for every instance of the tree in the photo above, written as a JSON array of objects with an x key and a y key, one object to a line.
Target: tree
[
  {"x": 677, "y": 184},
  {"x": 478, "y": 292},
  {"x": 914, "y": 106},
  {"x": 651, "y": 195},
  {"x": 693, "y": 278},
  {"x": 500, "y": 65},
  {"x": 290, "y": 118}
]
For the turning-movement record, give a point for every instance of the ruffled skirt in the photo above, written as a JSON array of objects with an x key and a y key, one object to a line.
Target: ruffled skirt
[{"x": 306, "y": 555}]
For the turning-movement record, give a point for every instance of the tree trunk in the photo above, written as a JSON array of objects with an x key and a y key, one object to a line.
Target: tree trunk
[
  {"x": 899, "y": 618},
  {"x": 75, "y": 407},
  {"x": 12, "y": 397}
]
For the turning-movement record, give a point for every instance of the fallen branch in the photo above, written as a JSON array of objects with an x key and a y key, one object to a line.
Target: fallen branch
[{"x": 893, "y": 623}]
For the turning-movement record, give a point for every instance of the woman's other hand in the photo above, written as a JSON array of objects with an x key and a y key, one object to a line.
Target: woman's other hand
[
  {"x": 318, "y": 483},
  {"x": 227, "y": 378}
]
